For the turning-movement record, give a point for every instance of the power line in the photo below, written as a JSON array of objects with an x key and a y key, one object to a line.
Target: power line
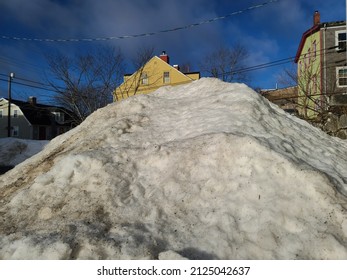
[
  {"x": 48, "y": 87},
  {"x": 143, "y": 34},
  {"x": 262, "y": 66},
  {"x": 32, "y": 82},
  {"x": 28, "y": 85},
  {"x": 275, "y": 63},
  {"x": 20, "y": 63}
]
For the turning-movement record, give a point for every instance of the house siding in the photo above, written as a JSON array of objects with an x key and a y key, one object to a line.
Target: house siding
[
  {"x": 36, "y": 122},
  {"x": 322, "y": 71},
  {"x": 20, "y": 121},
  {"x": 193, "y": 76},
  {"x": 309, "y": 76},
  {"x": 333, "y": 59},
  {"x": 154, "y": 70}
]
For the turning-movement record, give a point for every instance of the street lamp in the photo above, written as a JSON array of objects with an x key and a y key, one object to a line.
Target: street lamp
[{"x": 10, "y": 78}]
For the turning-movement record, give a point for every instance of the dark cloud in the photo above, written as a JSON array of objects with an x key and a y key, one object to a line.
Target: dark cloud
[{"x": 270, "y": 33}]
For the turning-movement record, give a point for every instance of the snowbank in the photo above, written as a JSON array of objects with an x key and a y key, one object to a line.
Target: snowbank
[
  {"x": 208, "y": 170},
  {"x": 13, "y": 151}
]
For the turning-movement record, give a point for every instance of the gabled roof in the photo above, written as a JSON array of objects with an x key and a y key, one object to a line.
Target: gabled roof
[
  {"x": 166, "y": 64},
  {"x": 313, "y": 30},
  {"x": 307, "y": 34},
  {"x": 155, "y": 67},
  {"x": 37, "y": 114}
]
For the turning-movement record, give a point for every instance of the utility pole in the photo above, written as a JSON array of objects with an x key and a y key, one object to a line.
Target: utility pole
[{"x": 10, "y": 77}]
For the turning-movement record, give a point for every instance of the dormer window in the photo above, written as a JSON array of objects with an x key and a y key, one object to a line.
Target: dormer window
[{"x": 341, "y": 40}]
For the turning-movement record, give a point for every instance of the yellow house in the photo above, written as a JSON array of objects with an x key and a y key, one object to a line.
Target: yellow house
[{"x": 157, "y": 72}]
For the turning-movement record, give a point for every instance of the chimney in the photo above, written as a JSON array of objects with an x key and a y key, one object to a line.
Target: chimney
[
  {"x": 316, "y": 18},
  {"x": 32, "y": 100},
  {"x": 165, "y": 57},
  {"x": 177, "y": 67}
]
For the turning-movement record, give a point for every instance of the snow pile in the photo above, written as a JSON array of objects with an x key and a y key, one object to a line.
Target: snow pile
[
  {"x": 208, "y": 170},
  {"x": 13, "y": 151}
]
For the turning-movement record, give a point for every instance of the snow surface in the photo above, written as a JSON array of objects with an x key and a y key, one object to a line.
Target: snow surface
[{"x": 208, "y": 170}]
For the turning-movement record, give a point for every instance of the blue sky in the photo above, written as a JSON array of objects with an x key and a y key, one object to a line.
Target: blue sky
[{"x": 269, "y": 33}]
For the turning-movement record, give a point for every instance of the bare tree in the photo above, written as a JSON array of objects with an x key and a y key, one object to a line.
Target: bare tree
[
  {"x": 84, "y": 83},
  {"x": 131, "y": 86},
  {"x": 226, "y": 63},
  {"x": 288, "y": 77},
  {"x": 311, "y": 102},
  {"x": 143, "y": 55}
]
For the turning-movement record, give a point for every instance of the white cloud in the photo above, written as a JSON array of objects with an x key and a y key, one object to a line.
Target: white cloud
[{"x": 276, "y": 28}]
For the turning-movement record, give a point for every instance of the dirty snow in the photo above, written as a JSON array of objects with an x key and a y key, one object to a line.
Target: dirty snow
[{"x": 208, "y": 170}]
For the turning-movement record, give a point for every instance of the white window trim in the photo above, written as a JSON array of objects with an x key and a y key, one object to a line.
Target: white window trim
[
  {"x": 166, "y": 80},
  {"x": 144, "y": 78},
  {"x": 337, "y": 38},
  {"x": 59, "y": 117},
  {"x": 338, "y": 77}
]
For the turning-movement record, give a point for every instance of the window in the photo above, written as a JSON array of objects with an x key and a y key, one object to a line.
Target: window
[
  {"x": 341, "y": 40},
  {"x": 166, "y": 78},
  {"x": 309, "y": 55},
  {"x": 15, "y": 113},
  {"x": 59, "y": 117},
  {"x": 15, "y": 131},
  {"x": 317, "y": 105},
  {"x": 144, "y": 79},
  {"x": 305, "y": 61},
  {"x": 314, "y": 84},
  {"x": 341, "y": 76},
  {"x": 1, "y": 112},
  {"x": 314, "y": 52}
]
